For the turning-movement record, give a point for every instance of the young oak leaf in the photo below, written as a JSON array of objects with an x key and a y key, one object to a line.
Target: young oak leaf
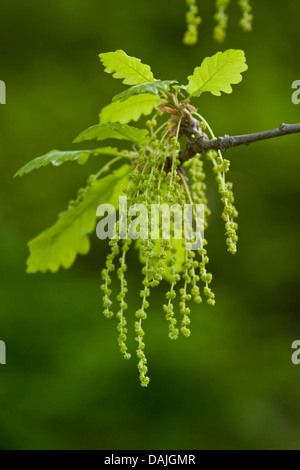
[
  {"x": 112, "y": 151},
  {"x": 123, "y": 66},
  {"x": 151, "y": 87},
  {"x": 113, "y": 131},
  {"x": 217, "y": 73},
  {"x": 57, "y": 158},
  {"x": 129, "y": 110},
  {"x": 59, "y": 245}
]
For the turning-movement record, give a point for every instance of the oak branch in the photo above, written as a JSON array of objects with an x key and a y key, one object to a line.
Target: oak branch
[{"x": 201, "y": 144}]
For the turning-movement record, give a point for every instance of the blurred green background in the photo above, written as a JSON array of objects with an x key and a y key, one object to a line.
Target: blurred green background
[{"x": 232, "y": 384}]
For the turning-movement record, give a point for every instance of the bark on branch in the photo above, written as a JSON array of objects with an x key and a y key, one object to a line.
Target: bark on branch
[{"x": 200, "y": 144}]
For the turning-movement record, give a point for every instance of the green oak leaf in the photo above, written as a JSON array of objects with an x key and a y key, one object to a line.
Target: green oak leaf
[
  {"x": 59, "y": 245},
  {"x": 152, "y": 87},
  {"x": 131, "y": 109},
  {"x": 57, "y": 158},
  {"x": 113, "y": 131},
  {"x": 123, "y": 66},
  {"x": 112, "y": 151},
  {"x": 217, "y": 73}
]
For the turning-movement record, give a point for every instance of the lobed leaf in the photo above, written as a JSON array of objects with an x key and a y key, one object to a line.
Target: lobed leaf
[
  {"x": 59, "y": 245},
  {"x": 112, "y": 151},
  {"x": 123, "y": 66},
  {"x": 217, "y": 73},
  {"x": 151, "y": 87},
  {"x": 113, "y": 131},
  {"x": 56, "y": 157},
  {"x": 129, "y": 110}
]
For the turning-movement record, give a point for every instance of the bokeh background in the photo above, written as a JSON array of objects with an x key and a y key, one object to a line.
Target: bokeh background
[{"x": 232, "y": 385}]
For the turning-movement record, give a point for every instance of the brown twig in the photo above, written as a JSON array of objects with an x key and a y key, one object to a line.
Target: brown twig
[{"x": 200, "y": 144}]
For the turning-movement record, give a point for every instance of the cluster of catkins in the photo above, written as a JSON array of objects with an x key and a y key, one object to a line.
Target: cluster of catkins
[
  {"x": 157, "y": 178},
  {"x": 221, "y": 18},
  {"x": 192, "y": 22}
]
